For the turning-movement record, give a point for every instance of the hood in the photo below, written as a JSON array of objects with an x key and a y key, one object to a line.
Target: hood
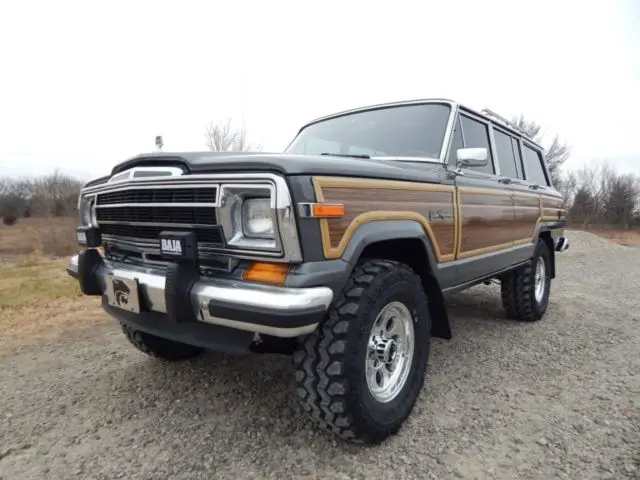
[{"x": 286, "y": 164}]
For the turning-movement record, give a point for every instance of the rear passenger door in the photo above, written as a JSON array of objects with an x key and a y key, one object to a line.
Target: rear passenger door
[
  {"x": 486, "y": 204},
  {"x": 525, "y": 199}
]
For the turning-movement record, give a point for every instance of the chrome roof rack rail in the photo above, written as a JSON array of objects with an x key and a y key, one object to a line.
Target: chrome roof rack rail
[{"x": 504, "y": 121}]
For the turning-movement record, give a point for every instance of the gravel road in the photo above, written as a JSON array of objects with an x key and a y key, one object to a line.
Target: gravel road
[{"x": 555, "y": 399}]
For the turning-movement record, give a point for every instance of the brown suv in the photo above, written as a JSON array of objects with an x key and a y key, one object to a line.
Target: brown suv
[{"x": 336, "y": 251}]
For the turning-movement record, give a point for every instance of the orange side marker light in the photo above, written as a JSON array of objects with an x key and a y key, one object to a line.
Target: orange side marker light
[{"x": 265, "y": 272}]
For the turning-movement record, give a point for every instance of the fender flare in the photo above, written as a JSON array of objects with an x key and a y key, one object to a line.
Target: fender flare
[{"x": 385, "y": 230}]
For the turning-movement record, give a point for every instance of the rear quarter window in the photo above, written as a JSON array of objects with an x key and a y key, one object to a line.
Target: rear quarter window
[{"x": 533, "y": 162}]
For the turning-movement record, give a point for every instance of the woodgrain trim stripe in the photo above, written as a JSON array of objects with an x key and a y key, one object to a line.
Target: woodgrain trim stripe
[
  {"x": 355, "y": 183},
  {"x": 330, "y": 252}
]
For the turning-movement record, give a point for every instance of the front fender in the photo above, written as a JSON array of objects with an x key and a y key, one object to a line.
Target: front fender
[{"x": 385, "y": 230}]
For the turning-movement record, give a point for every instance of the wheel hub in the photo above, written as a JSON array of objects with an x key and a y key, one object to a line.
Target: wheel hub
[
  {"x": 385, "y": 349},
  {"x": 390, "y": 352}
]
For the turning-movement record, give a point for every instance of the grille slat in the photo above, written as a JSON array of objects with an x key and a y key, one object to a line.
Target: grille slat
[
  {"x": 152, "y": 232},
  {"x": 184, "y": 215},
  {"x": 159, "y": 195}
]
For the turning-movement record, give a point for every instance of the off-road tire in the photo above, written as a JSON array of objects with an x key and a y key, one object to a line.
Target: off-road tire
[
  {"x": 330, "y": 363},
  {"x": 160, "y": 347},
  {"x": 518, "y": 288}
]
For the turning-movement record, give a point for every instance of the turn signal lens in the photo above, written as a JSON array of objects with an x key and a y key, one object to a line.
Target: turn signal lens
[
  {"x": 327, "y": 210},
  {"x": 275, "y": 273}
]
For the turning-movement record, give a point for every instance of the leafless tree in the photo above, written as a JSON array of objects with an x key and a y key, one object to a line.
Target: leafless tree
[
  {"x": 52, "y": 195},
  {"x": 557, "y": 152},
  {"x": 222, "y": 136}
]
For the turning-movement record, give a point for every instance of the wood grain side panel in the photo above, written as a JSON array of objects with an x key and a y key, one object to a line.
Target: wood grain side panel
[
  {"x": 553, "y": 208},
  {"x": 526, "y": 216},
  {"x": 486, "y": 220},
  {"x": 360, "y": 201},
  {"x": 371, "y": 200}
]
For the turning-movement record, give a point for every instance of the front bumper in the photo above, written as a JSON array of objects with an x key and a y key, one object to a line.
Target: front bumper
[{"x": 272, "y": 310}]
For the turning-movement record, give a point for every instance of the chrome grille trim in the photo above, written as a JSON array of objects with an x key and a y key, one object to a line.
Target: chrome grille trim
[
  {"x": 287, "y": 239},
  {"x": 160, "y": 224},
  {"x": 178, "y": 204}
]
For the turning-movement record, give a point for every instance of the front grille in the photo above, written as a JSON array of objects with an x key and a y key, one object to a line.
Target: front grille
[
  {"x": 160, "y": 195},
  {"x": 179, "y": 215},
  {"x": 131, "y": 219}
]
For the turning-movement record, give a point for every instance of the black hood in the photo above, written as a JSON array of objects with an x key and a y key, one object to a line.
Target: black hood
[{"x": 286, "y": 164}]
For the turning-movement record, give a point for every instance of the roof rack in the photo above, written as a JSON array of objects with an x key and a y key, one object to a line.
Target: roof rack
[{"x": 500, "y": 118}]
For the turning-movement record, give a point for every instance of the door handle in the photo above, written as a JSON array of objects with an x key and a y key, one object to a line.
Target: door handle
[
  {"x": 534, "y": 187},
  {"x": 506, "y": 180}
]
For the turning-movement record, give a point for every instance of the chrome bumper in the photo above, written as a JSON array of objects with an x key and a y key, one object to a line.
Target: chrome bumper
[{"x": 237, "y": 296}]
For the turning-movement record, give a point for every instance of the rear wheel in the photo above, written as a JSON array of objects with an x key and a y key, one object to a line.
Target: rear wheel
[
  {"x": 160, "y": 347},
  {"x": 525, "y": 291},
  {"x": 360, "y": 373}
]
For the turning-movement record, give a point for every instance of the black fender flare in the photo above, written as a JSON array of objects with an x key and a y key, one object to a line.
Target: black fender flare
[{"x": 379, "y": 231}]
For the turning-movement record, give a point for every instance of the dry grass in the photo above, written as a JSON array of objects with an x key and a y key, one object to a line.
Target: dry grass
[
  {"x": 38, "y": 300},
  {"x": 52, "y": 236},
  {"x": 623, "y": 237}
]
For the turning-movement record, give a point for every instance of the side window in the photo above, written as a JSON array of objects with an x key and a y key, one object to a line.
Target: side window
[
  {"x": 456, "y": 143},
  {"x": 476, "y": 134},
  {"x": 535, "y": 172},
  {"x": 504, "y": 151},
  {"x": 516, "y": 151}
]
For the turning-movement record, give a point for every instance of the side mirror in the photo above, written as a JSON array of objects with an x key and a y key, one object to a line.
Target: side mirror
[{"x": 472, "y": 157}]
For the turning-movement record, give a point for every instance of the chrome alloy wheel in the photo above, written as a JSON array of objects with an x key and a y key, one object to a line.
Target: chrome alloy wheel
[
  {"x": 540, "y": 280},
  {"x": 390, "y": 352}
]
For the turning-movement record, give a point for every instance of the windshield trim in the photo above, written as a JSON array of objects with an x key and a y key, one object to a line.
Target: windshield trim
[{"x": 445, "y": 141}]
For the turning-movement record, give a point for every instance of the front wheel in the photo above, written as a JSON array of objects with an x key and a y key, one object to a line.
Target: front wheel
[
  {"x": 525, "y": 291},
  {"x": 360, "y": 373}
]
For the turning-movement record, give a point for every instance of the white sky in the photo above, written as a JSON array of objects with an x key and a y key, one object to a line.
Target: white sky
[{"x": 84, "y": 85}]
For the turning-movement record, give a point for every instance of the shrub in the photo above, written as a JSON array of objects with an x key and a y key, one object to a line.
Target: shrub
[{"x": 9, "y": 219}]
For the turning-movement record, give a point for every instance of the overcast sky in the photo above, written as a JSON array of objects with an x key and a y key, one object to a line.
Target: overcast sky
[{"x": 83, "y": 87}]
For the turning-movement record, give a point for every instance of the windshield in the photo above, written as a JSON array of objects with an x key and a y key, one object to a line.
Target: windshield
[{"x": 401, "y": 131}]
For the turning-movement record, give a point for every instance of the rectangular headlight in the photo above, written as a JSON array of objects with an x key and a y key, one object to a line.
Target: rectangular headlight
[
  {"x": 257, "y": 219},
  {"x": 247, "y": 216}
]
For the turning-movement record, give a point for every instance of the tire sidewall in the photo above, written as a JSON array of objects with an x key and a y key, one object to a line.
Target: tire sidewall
[{"x": 397, "y": 410}]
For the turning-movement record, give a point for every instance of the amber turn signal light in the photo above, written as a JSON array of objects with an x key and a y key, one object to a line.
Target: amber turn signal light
[
  {"x": 275, "y": 273},
  {"x": 327, "y": 209}
]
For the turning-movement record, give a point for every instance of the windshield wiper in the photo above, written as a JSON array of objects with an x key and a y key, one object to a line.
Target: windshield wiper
[{"x": 354, "y": 155}]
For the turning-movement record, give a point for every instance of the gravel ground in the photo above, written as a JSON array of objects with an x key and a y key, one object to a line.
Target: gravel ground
[{"x": 556, "y": 399}]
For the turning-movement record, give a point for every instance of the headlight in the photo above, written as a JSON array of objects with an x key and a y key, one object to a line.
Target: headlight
[
  {"x": 257, "y": 220},
  {"x": 86, "y": 210},
  {"x": 247, "y": 216}
]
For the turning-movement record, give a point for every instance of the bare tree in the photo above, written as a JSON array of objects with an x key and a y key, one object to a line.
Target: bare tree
[
  {"x": 52, "y": 195},
  {"x": 557, "y": 152},
  {"x": 221, "y": 136}
]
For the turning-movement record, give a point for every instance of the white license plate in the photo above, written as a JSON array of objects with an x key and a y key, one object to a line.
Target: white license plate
[{"x": 123, "y": 293}]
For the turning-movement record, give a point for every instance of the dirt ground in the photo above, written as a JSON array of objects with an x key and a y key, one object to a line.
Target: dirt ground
[
  {"x": 503, "y": 400},
  {"x": 629, "y": 238}
]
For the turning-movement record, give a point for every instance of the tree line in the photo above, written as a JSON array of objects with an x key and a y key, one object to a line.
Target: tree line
[{"x": 596, "y": 195}]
